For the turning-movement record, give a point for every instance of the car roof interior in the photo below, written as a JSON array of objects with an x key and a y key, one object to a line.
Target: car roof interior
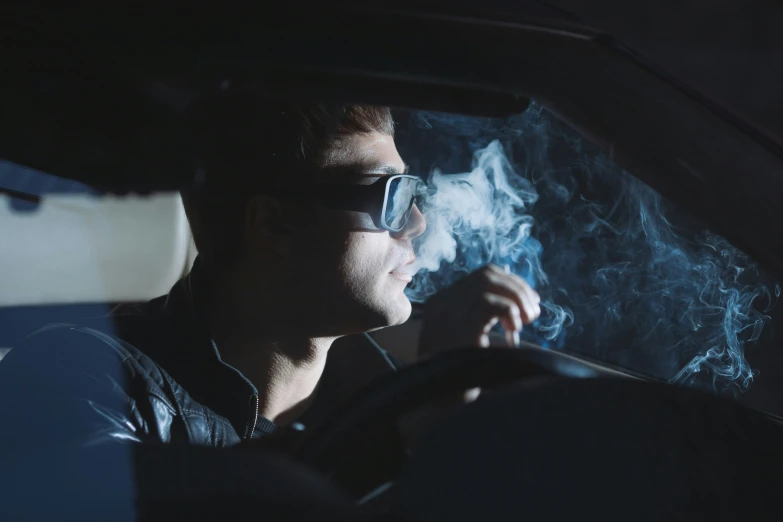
[{"x": 92, "y": 110}]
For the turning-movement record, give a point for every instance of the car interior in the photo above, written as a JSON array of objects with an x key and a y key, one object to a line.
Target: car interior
[
  {"x": 645, "y": 211},
  {"x": 98, "y": 251}
]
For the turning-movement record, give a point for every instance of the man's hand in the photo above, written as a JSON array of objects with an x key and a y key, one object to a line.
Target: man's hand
[{"x": 462, "y": 315}]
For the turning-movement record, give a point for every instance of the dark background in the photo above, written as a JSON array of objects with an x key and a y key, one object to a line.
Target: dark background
[
  {"x": 732, "y": 51},
  {"x": 729, "y": 49}
]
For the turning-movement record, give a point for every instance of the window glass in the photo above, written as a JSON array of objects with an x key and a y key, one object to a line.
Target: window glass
[{"x": 625, "y": 276}]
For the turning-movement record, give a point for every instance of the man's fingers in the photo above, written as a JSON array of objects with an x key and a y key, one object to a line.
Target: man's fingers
[
  {"x": 464, "y": 313},
  {"x": 515, "y": 288},
  {"x": 497, "y": 307},
  {"x": 530, "y": 296},
  {"x": 525, "y": 288}
]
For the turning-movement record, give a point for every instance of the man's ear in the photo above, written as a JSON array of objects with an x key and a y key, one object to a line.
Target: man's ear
[{"x": 265, "y": 228}]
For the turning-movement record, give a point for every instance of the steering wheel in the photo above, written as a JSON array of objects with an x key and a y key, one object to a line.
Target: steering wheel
[{"x": 351, "y": 431}]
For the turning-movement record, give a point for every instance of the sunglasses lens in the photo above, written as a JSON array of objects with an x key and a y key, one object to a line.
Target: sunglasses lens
[{"x": 400, "y": 197}]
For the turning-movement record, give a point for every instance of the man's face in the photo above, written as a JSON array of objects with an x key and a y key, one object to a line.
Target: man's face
[{"x": 344, "y": 273}]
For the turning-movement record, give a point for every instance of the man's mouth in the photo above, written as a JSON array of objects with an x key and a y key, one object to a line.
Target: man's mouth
[
  {"x": 402, "y": 276},
  {"x": 403, "y": 272}
]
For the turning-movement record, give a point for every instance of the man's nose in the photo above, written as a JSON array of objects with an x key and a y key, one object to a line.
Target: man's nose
[{"x": 415, "y": 226}]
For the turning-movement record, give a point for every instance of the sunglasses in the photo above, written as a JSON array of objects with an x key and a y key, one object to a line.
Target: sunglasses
[{"x": 389, "y": 201}]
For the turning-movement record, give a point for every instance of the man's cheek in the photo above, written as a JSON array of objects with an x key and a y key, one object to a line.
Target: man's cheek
[{"x": 365, "y": 254}]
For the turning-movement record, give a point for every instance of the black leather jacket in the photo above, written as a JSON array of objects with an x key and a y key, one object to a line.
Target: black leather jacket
[{"x": 151, "y": 373}]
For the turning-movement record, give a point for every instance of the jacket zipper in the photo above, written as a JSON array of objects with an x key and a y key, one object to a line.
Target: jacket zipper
[{"x": 252, "y": 427}]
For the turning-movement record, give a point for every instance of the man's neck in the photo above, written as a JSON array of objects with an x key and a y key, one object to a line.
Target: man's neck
[
  {"x": 286, "y": 385},
  {"x": 250, "y": 336}
]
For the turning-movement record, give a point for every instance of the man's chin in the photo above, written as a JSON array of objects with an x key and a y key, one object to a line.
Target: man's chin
[
  {"x": 402, "y": 315},
  {"x": 403, "y": 310},
  {"x": 395, "y": 313}
]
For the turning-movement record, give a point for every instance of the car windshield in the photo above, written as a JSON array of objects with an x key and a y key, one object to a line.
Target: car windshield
[{"x": 626, "y": 278}]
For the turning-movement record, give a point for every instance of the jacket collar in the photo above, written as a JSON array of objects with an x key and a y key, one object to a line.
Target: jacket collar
[
  {"x": 179, "y": 341},
  {"x": 191, "y": 357}
]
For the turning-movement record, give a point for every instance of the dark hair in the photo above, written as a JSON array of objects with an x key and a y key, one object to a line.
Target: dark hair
[{"x": 243, "y": 143}]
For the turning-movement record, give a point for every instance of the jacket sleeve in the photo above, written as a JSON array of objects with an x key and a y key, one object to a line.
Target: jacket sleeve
[{"x": 69, "y": 385}]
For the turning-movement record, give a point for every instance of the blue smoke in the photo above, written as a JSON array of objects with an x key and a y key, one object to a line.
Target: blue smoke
[{"x": 624, "y": 277}]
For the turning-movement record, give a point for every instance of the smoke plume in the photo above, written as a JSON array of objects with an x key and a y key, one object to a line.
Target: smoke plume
[{"x": 623, "y": 276}]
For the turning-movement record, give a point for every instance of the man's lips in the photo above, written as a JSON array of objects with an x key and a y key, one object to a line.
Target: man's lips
[
  {"x": 402, "y": 276},
  {"x": 403, "y": 272}
]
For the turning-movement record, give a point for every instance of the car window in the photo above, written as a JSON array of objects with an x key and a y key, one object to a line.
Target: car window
[{"x": 625, "y": 276}]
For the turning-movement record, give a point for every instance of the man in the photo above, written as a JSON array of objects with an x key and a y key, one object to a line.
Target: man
[{"x": 305, "y": 234}]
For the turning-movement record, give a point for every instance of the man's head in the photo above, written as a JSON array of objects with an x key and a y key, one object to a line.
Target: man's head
[{"x": 264, "y": 211}]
